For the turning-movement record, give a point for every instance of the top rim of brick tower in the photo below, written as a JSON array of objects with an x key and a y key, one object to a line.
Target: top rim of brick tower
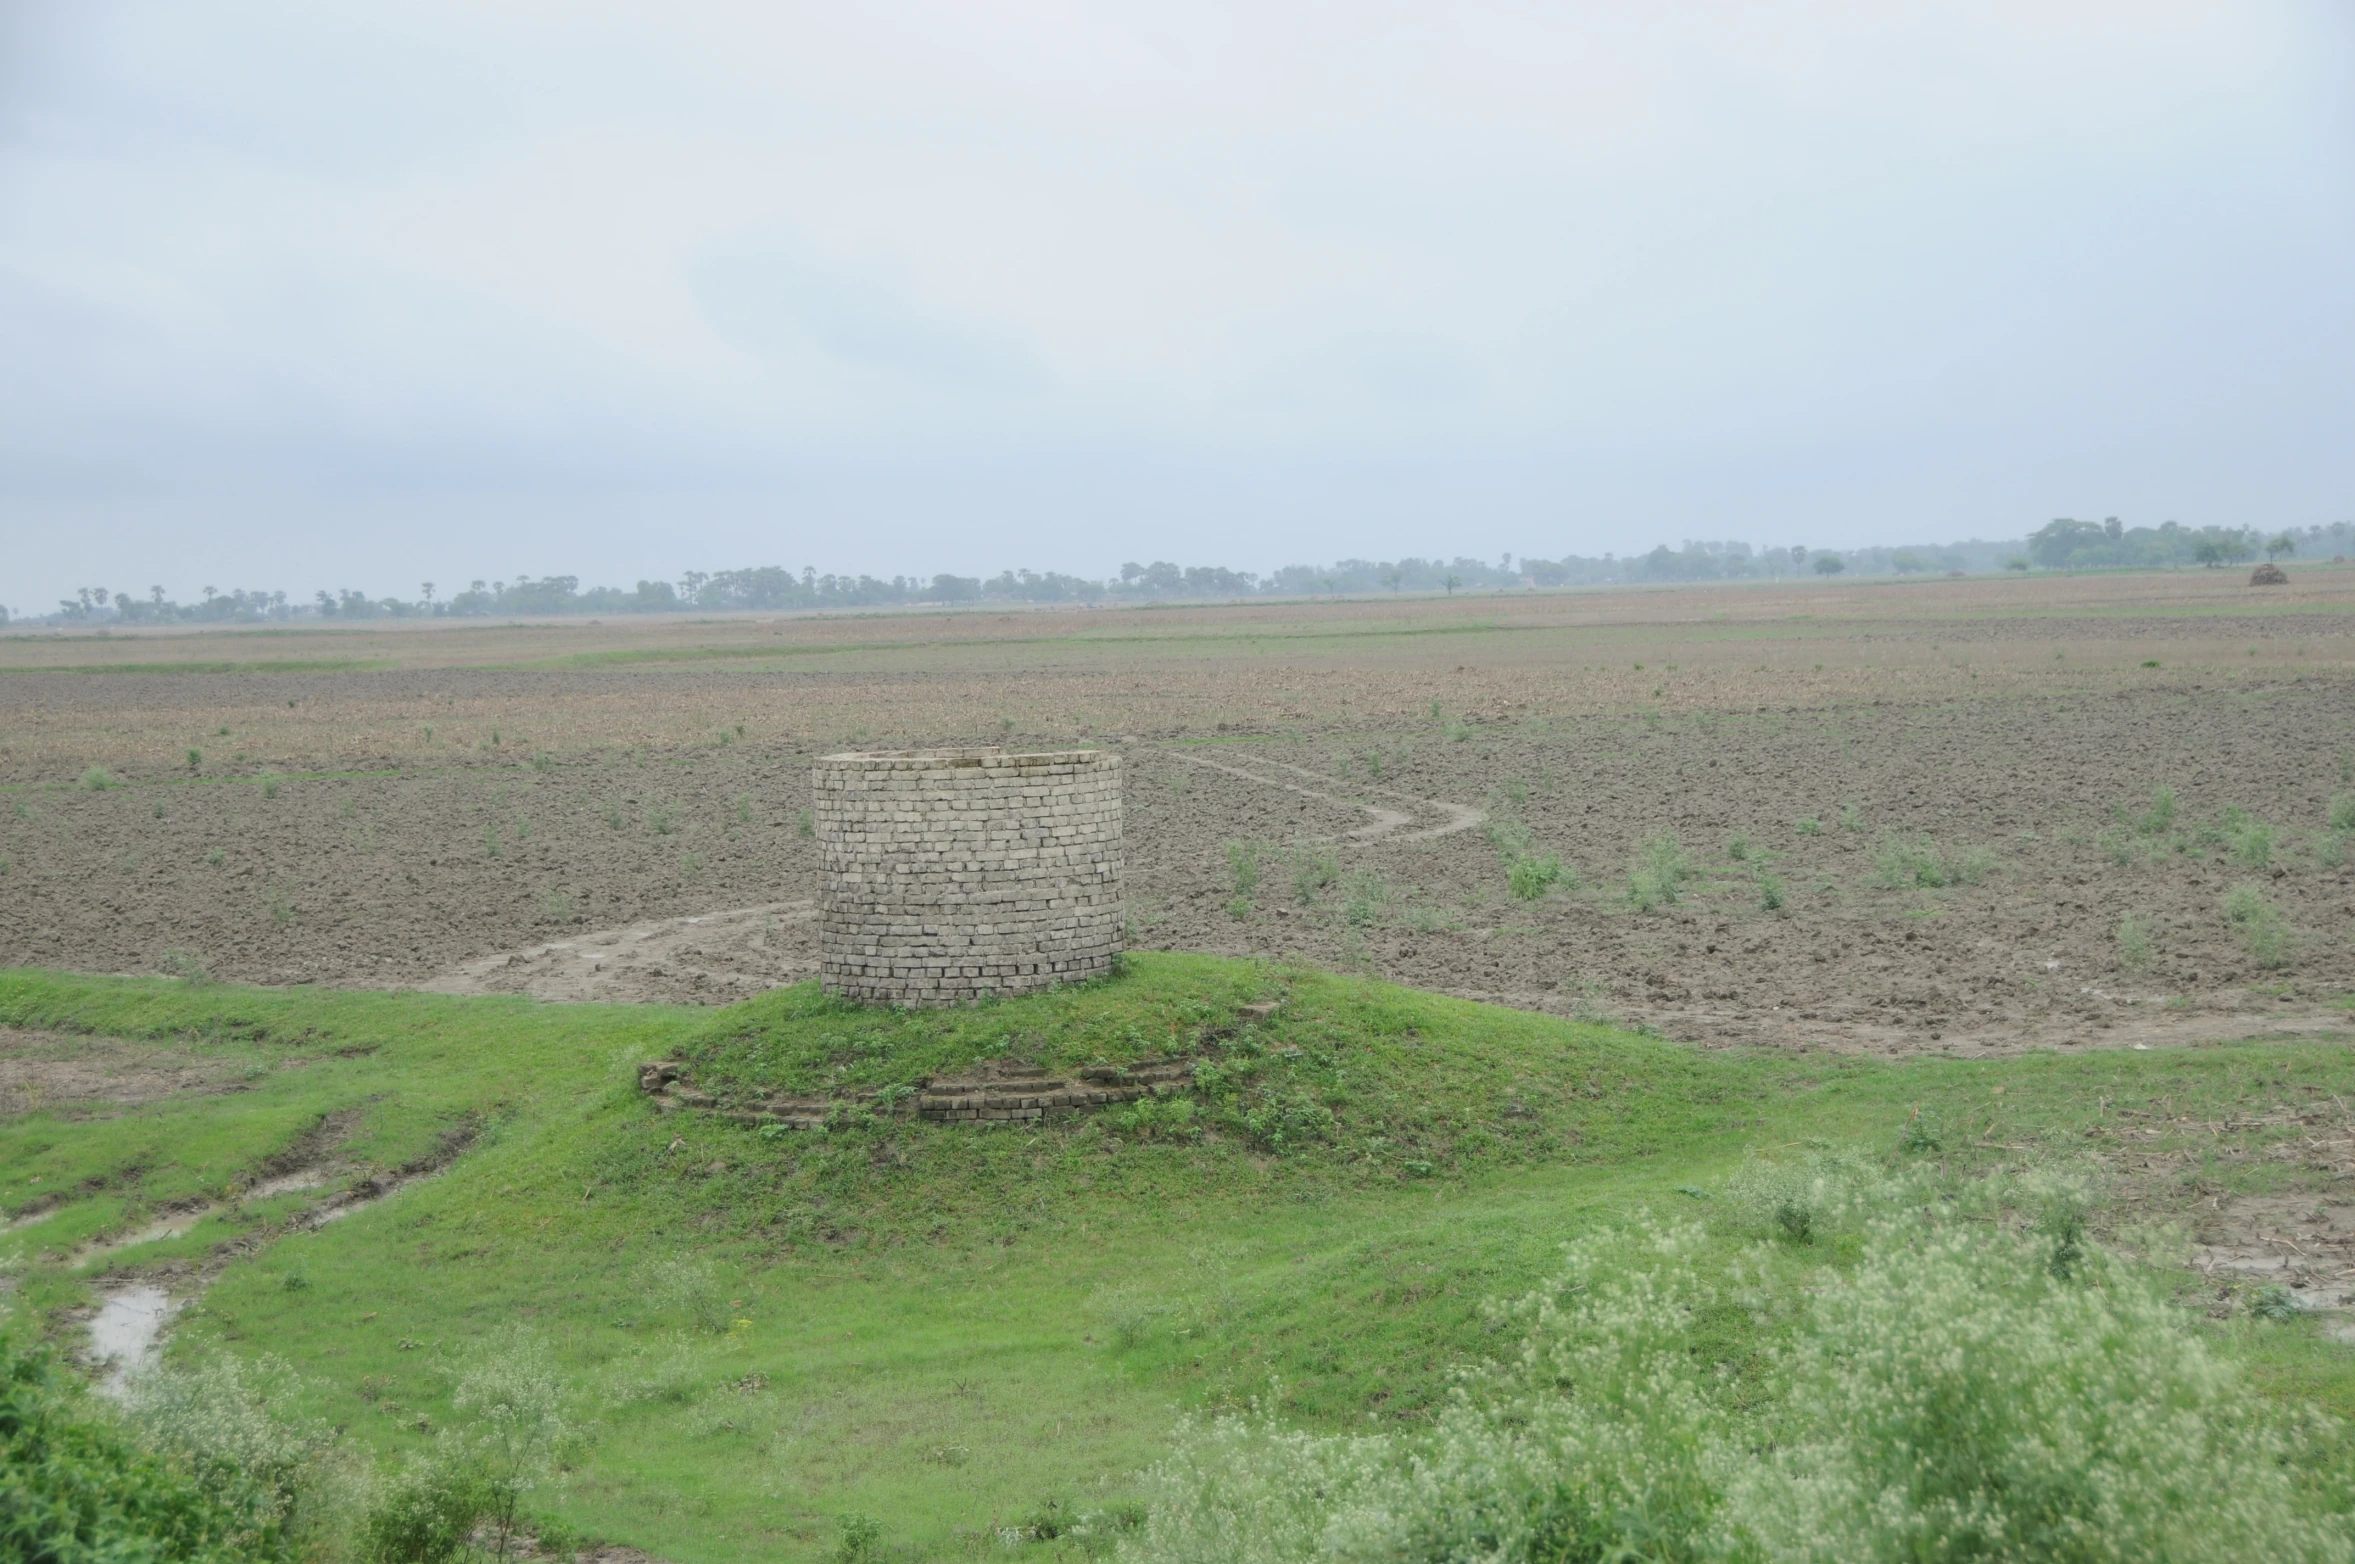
[{"x": 959, "y": 759}]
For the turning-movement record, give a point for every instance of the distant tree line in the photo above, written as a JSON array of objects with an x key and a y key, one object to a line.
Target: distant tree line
[
  {"x": 2063, "y": 544},
  {"x": 2069, "y": 544}
]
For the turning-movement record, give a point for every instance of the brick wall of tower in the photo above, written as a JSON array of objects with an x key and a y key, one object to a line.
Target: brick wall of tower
[{"x": 953, "y": 874}]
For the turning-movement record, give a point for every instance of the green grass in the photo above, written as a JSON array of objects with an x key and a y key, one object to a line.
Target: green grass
[{"x": 947, "y": 1326}]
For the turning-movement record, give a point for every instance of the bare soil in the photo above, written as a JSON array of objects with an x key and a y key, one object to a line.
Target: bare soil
[
  {"x": 57, "y": 1070},
  {"x": 615, "y": 812}
]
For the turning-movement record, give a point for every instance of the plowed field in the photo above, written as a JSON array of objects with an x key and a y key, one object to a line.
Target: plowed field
[{"x": 1962, "y": 815}]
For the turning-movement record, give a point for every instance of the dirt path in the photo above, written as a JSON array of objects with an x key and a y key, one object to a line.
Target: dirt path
[
  {"x": 1387, "y": 824},
  {"x": 710, "y": 958}
]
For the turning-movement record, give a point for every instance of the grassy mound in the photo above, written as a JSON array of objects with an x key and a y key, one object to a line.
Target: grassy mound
[
  {"x": 1344, "y": 1083},
  {"x": 760, "y": 1333}
]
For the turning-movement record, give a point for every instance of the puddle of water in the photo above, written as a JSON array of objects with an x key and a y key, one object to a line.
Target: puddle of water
[
  {"x": 173, "y": 1226},
  {"x": 286, "y": 1184},
  {"x": 124, "y": 1335}
]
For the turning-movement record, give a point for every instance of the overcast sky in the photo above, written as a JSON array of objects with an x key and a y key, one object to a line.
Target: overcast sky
[{"x": 315, "y": 294}]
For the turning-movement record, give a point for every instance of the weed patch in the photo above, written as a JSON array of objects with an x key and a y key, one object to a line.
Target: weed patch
[
  {"x": 1656, "y": 878},
  {"x": 1918, "y": 862},
  {"x": 2260, "y": 926}
]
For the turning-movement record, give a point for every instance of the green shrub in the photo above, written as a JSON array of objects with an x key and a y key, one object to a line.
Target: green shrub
[
  {"x": 98, "y": 779},
  {"x": 426, "y": 1513},
  {"x": 1908, "y": 862},
  {"x": 2247, "y": 839},
  {"x": 1949, "y": 1396},
  {"x": 2134, "y": 943},
  {"x": 2274, "y": 1302},
  {"x": 805, "y": 825},
  {"x": 1659, "y": 871},
  {"x": 2342, "y": 812},
  {"x": 1243, "y": 867},
  {"x": 860, "y": 1538},
  {"x": 1771, "y": 895},
  {"x": 75, "y": 1485},
  {"x": 1313, "y": 870},
  {"x": 2261, "y": 927},
  {"x": 1955, "y": 1399},
  {"x": 1807, "y": 825},
  {"x": 1530, "y": 878},
  {"x": 1364, "y": 895},
  {"x": 512, "y": 1401}
]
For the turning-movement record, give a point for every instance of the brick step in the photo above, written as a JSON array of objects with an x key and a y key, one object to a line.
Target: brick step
[{"x": 1009, "y": 1092}]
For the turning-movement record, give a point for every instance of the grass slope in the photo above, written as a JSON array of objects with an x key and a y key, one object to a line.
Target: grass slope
[{"x": 945, "y": 1326}]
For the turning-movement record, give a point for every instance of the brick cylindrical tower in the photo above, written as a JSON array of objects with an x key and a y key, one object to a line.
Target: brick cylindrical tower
[{"x": 950, "y": 874}]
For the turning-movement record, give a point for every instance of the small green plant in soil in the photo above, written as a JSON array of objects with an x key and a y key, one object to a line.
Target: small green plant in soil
[
  {"x": 1243, "y": 862},
  {"x": 1529, "y": 874},
  {"x": 1911, "y": 862},
  {"x": 1771, "y": 894},
  {"x": 805, "y": 825},
  {"x": 2342, "y": 812},
  {"x": 1807, "y": 825},
  {"x": 1656, "y": 877},
  {"x": 2134, "y": 943},
  {"x": 1530, "y": 878},
  {"x": 2260, "y": 926},
  {"x": 1851, "y": 817},
  {"x": 2240, "y": 836},
  {"x": 2158, "y": 818},
  {"x": 1314, "y": 870},
  {"x": 1365, "y": 894},
  {"x": 97, "y": 779}
]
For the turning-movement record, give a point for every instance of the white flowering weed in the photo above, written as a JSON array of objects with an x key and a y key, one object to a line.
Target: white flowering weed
[
  {"x": 234, "y": 1423},
  {"x": 1962, "y": 1393},
  {"x": 513, "y": 1399},
  {"x": 1960, "y": 1397},
  {"x": 1242, "y": 1490}
]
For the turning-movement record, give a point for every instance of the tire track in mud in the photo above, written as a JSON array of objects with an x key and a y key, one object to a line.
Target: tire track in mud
[{"x": 1386, "y": 825}]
